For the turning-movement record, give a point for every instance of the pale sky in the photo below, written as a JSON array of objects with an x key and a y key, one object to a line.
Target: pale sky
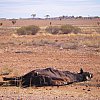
[{"x": 24, "y": 8}]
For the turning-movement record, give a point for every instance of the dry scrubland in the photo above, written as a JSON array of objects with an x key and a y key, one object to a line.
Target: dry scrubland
[{"x": 21, "y": 54}]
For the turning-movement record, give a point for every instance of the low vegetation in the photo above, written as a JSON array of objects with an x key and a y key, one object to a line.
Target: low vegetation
[
  {"x": 1, "y": 24},
  {"x": 53, "y": 29},
  {"x": 13, "y": 22},
  {"x": 69, "y": 29},
  {"x": 98, "y": 30},
  {"x": 64, "y": 29},
  {"x": 28, "y": 30}
]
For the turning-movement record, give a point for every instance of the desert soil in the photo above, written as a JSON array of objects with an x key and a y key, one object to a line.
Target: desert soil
[{"x": 21, "y": 54}]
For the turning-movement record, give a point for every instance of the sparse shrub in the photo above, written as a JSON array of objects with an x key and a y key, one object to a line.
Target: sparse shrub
[
  {"x": 69, "y": 29},
  {"x": 22, "y": 31},
  {"x": 28, "y": 30},
  {"x": 76, "y": 30},
  {"x": 98, "y": 30},
  {"x": 42, "y": 42},
  {"x": 32, "y": 29},
  {"x": 90, "y": 40},
  {"x": 64, "y": 29},
  {"x": 13, "y": 22},
  {"x": 53, "y": 29},
  {"x": 1, "y": 24},
  {"x": 69, "y": 45}
]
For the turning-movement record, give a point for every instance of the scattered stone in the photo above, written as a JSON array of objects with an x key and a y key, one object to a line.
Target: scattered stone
[
  {"x": 72, "y": 96},
  {"x": 88, "y": 90},
  {"x": 83, "y": 89},
  {"x": 76, "y": 88}
]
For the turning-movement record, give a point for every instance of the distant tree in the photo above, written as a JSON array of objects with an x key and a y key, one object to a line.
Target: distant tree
[
  {"x": 33, "y": 15},
  {"x": 47, "y": 16},
  {"x": 80, "y": 17},
  {"x": 96, "y": 17},
  {"x": 63, "y": 16},
  {"x": 13, "y": 22},
  {"x": 60, "y": 18},
  {"x": 73, "y": 17}
]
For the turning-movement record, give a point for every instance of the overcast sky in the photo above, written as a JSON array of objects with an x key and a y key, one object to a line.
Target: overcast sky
[{"x": 24, "y": 8}]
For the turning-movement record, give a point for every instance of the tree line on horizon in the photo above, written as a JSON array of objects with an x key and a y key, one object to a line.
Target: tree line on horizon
[
  {"x": 65, "y": 17},
  {"x": 33, "y": 16}
]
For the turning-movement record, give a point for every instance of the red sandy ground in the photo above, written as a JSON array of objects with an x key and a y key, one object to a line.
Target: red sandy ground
[
  {"x": 42, "y": 56},
  {"x": 41, "y": 23},
  {"x": 48, "y": 55}
]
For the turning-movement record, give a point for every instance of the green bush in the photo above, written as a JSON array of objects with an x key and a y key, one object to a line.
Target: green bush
[
  {"x": 53, "y": 29},
  {"x": 28, "y": 30},
  {"x": 65, "y": 29}
]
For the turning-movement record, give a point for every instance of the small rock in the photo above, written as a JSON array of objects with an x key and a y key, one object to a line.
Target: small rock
[
  {"x": 76, "y": 88},
  {"x": 88, "y": 90},
  {"x": 83, "y": 89},
  {"x": 72, "y": 96}
]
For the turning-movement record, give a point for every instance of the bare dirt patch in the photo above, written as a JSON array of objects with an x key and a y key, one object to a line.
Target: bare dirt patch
[{"x": 22, "y": 54}]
